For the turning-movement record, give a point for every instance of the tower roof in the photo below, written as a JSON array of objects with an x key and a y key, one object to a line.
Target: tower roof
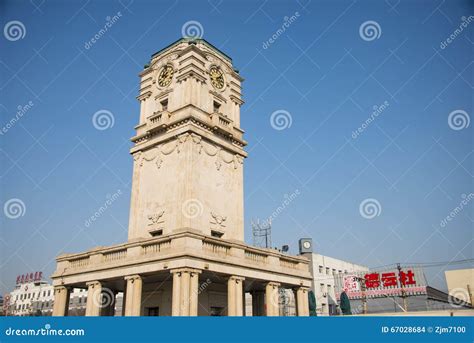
[{"x": 193, "y": 40}]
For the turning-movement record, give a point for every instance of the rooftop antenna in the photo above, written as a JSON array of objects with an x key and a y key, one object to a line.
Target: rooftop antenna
[{"x": 262, "y": 233}]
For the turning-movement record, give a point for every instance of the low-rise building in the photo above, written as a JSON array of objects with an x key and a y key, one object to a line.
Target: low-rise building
[
  {"x": 36, "y": 298},
  {"x": 324, "y": 270},
  {"x": 461, "y": 284},
  {"x": 27, "y": 294}
]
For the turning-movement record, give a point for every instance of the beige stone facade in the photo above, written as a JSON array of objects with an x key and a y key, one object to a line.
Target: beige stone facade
[
  {"x": 185, "y": 255},
  {"x": 461, "y": 284}
]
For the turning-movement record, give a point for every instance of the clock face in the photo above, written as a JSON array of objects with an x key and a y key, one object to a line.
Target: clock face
[
  {"x": 307, "y": 245},
  {"x": 165, "y": 76},
  {"x": 217, "y": 77}
]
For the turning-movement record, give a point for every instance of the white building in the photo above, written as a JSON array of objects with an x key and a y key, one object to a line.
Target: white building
[
  {"x": 25, "y": 295},
  {"x": 36, "y": 298},
  {"x": 323, "y": 269}
]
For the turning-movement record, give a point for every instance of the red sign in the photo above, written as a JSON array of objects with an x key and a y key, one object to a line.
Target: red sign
[
  {"x": 373, "y": 280},
  {"x": 29, "y": 277},
  {"x": 391, "y": 282}
]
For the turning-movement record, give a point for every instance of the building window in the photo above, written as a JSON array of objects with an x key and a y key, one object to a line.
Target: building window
[
  {"x": 321, "y": 269},
  {"x": 164, "y": 105},
  {"x": 157, "y": 233},
  {"x": 321, "y": 287},
  {"x": 339, "y": 271},
  {"x": 334, "y": 272},
  {"x": 216, "y": 107},
  {"x": 327, "y": 270},
  {"x": 217, "y": 234}
]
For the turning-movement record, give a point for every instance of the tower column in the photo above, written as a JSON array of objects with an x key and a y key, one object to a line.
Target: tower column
[
  {"x": 194, "y": 290},
  {"x": 176, "y": 296},
  {"x": 133, "y": 304},
  {"x": 94, "y": 298},
  {"x": 185, "y": 292},
  {"x": 61, "y": 301},
  {"x": 302, "y": 303},
  {"x": 272, "y": 299},
  {"x": 235, "y": 302}
]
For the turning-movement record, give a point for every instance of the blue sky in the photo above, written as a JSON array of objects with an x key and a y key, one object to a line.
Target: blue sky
[{"x": 323, "y": 71}]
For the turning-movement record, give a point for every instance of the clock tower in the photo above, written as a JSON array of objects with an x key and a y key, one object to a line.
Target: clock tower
[
  {"x": 188, "y": 148},
  {"x": 185, "y": 254}
]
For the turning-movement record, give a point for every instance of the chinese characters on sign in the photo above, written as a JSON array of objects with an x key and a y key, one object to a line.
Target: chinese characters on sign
[
  {"x": 374, "y": 280},
  {"x": 380, "y": 284},
  {"x": 29, "y": 277}
]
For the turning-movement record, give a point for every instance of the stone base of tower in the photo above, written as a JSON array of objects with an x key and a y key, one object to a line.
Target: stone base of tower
[{"x": 183, "y": 274}]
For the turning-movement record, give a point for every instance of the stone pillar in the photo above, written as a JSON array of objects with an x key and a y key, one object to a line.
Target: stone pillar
[
  {"x": 272, "y": 299},
  {"x": 124, "y": 298},
  {"x": 185, "y": 292},
  {"x": 194, "y": 299},
  {"x": 258, "y": 303},
  {"x": 94, "y": 298},
  {"x": 235, "y": 305},
  {"x": 176, "y": 298},
  {"x": 244, "y": 304},
  {"x": 133, "y": 303},
  {"x": 61, "y": 301},
  {"x": 302, "y": 303}
]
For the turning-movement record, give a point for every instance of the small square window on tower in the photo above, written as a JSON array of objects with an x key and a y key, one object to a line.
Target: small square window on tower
[
  {"x": 217, "y": 234},
  {"x": 164, "y": 105}
]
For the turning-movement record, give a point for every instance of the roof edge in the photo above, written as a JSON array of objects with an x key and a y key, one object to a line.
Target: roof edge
[{"x": 193, "y": 40}]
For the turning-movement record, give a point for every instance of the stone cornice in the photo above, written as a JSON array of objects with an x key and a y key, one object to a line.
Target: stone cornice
[{"x": 186, "y": 232}]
